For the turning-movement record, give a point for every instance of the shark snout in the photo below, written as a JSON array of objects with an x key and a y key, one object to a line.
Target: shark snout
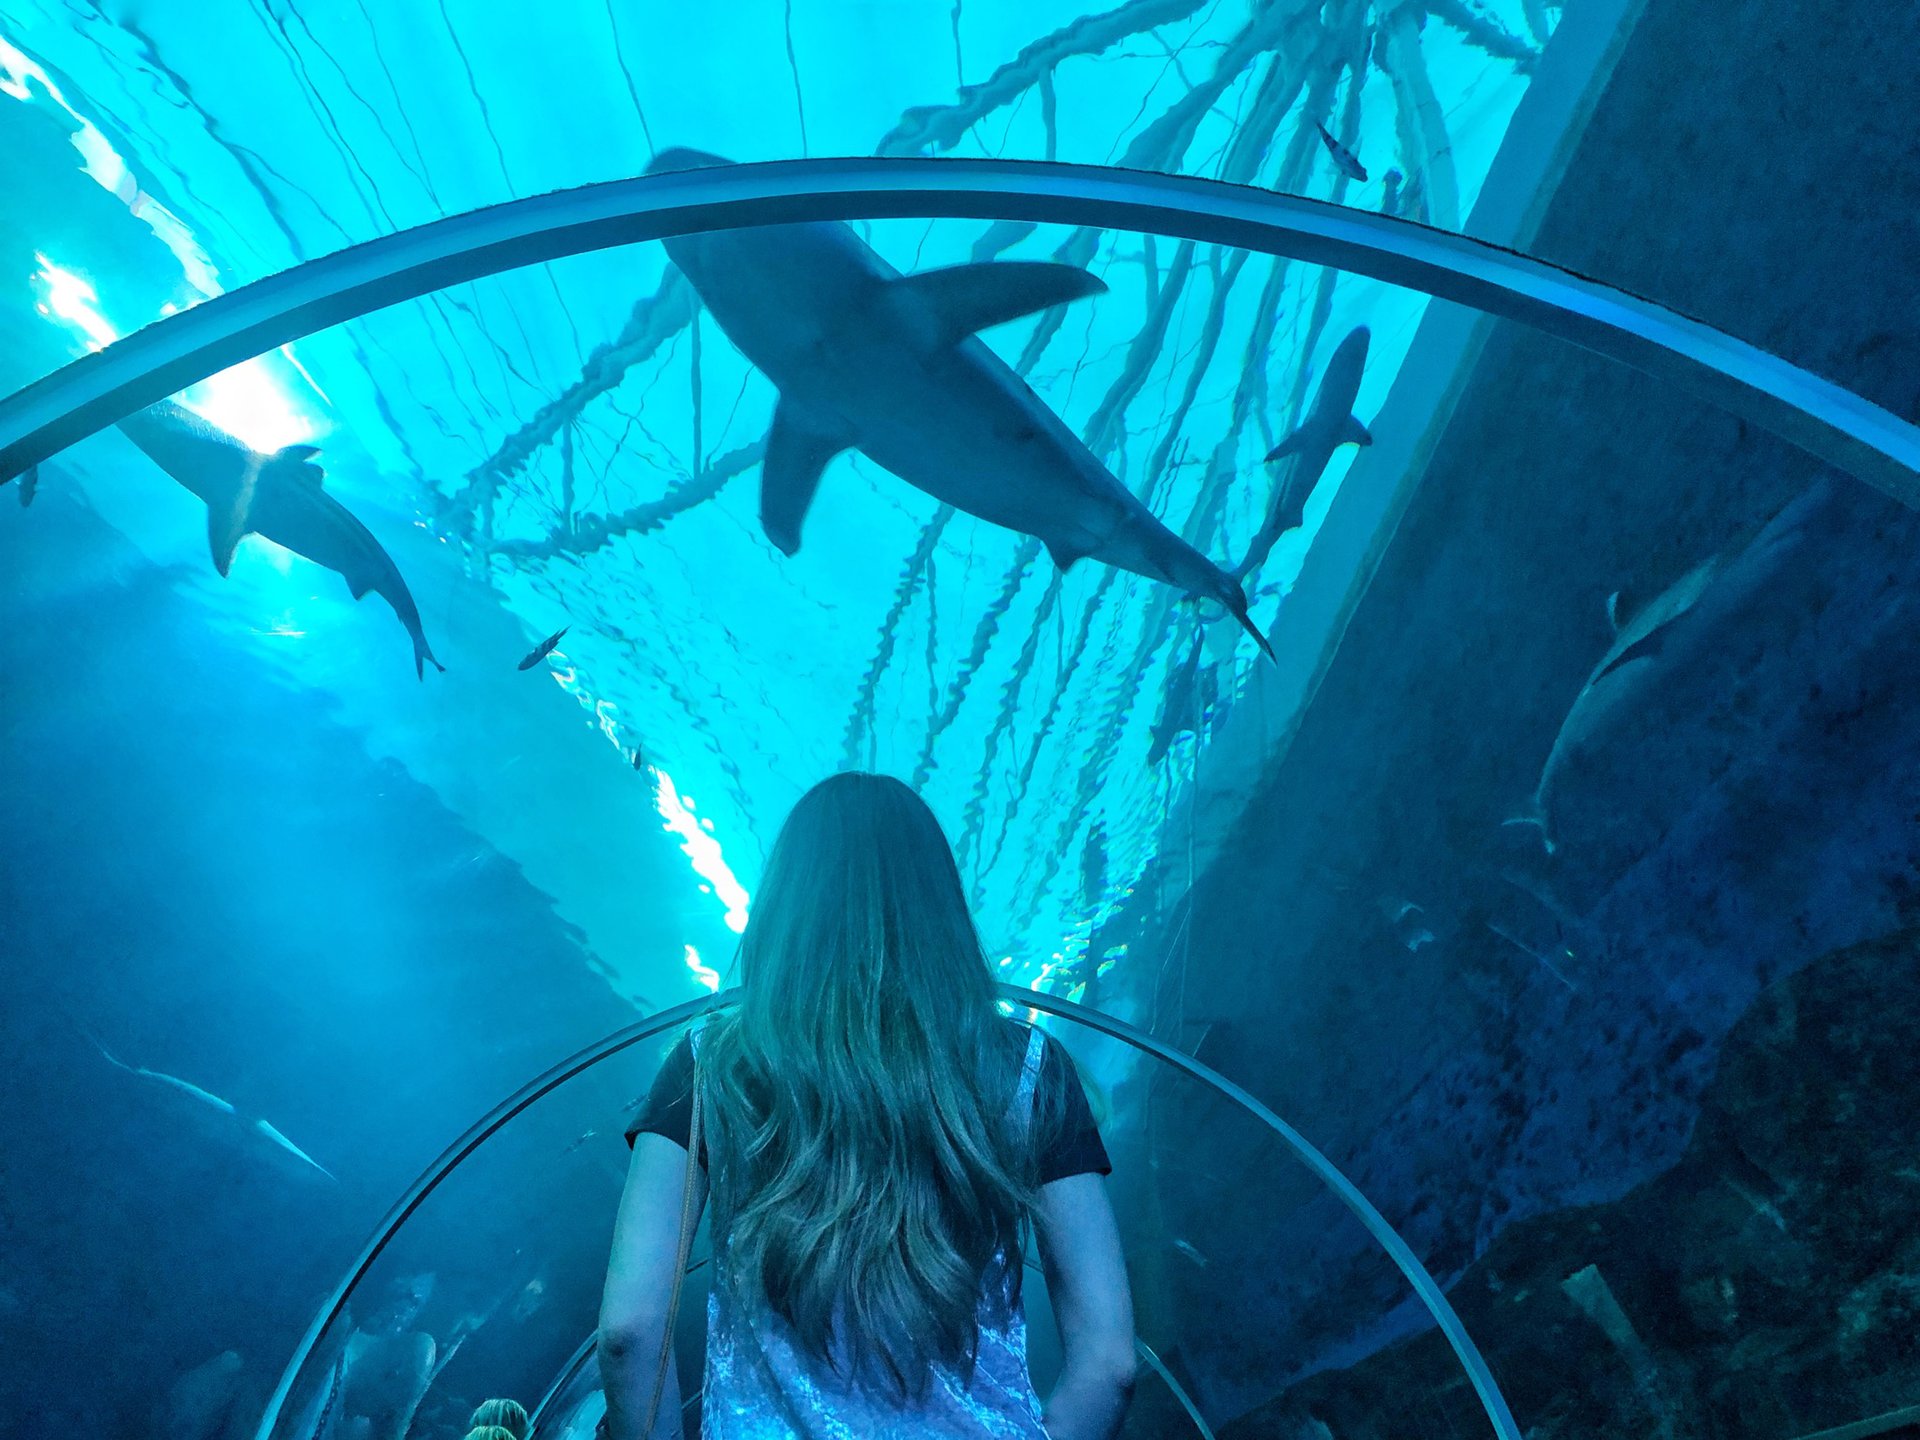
[{"x": 680, "y": 157}]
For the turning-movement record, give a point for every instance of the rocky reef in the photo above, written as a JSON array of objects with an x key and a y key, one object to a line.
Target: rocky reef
[{"x": 1768, "y": 1285}]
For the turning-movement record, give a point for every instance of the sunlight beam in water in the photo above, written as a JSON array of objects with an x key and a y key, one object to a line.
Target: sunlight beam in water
[{"x": 702, "y": 849}]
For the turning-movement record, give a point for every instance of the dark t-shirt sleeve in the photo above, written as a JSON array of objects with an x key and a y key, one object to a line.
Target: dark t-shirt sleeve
[
  {"x": 1076, "y": 1148},
  {"x": 668, "y": 1108}
]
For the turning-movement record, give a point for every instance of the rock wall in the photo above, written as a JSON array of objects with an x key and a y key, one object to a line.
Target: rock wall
[{"x": 1536, "y": 1031}]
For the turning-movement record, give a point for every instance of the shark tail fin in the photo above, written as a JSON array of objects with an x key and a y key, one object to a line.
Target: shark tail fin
[
  {"x": 1234, "y": 598},
  {"x": 1352, "y": 432},
  {"x": 423, "y": 657},
  {"x": 105, "y": 1053}
]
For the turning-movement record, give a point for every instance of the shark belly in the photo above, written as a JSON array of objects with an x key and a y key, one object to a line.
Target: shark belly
[{"x": 949, "y": 426}]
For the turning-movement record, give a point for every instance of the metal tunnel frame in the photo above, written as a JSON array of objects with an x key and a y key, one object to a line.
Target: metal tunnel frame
[
  {"x": 1424, "y": 1286},
  {"x": 165, "y": 357}
]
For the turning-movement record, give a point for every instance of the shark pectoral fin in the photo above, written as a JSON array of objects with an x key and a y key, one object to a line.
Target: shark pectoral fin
[
  {"x": 1285, "y": 448},
  {"x": 1645, "y": 648},
  {"x": 29, "y": 482},
  {"x": 1064, "y": 552},
  {"x": 799, "y": 446},
  {"x": 225, "y": 530},
  {"x": 1354, "y": 433},
  {"x": 966, "y": 298}
]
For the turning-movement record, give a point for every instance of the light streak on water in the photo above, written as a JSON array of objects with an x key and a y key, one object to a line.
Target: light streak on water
[{"x": 701, "y": 971}]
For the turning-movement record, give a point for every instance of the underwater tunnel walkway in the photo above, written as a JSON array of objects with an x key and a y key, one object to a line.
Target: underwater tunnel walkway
[
  {"x": 313, "y": 1373},
  {"x": 182, "y": 349},
  {"x": 1824, "y": 419}
]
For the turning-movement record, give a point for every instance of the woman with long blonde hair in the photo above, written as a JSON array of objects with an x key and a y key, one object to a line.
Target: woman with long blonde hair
[{"x": 877, "y": 1140}]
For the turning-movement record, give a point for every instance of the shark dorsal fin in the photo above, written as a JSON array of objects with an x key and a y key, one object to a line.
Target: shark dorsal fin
[
  {"x": 965, "y": 298},
  {"x": 298, "y": 461},
  {"x": 799, "y": 445}
]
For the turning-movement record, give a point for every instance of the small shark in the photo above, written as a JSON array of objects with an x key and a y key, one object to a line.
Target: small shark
[
  {"x": 544, "y": 648},
  {"x": 1183, "y": 708},
  {"x": 868, "y": 359},
  {"x": 1348, "y": 162},
  {"x": 1330, "y": 423},
  {"x": 1669, "y": 636},
  {"x": 278, "y": 496},
  {"x": 213, "y": 1103}
]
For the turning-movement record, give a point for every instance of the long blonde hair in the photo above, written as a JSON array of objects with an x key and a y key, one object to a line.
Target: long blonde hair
[{"x": 864, "y": 1169}]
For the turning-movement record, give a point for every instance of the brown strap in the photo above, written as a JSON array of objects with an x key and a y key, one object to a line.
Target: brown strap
[{"x": 680, "y": 1260}]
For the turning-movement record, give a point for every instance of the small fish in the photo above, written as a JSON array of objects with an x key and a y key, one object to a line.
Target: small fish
[
  {"x": 1348, "y": 162},
  {"x": 543, "y": 649},
  {"x": 1191, "y": 1253},
  {"x": 639, "y": 758}
]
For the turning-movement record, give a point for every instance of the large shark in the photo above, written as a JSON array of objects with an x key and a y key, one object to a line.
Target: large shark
[
  {"x": 1330, "y": 423},
  {"x": 868, "y": 359},
  {"x": 279, "y": 496}
]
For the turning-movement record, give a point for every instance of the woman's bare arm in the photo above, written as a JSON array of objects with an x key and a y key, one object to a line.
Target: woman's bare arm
[
  {"x": 1093, "y": 1306},
  {"x": 634, "y": 1322}
]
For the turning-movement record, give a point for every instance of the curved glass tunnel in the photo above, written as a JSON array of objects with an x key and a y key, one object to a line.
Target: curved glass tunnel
[
  {"x": 499, "y": 1282},
  {"x": 1555, "y": 880}
]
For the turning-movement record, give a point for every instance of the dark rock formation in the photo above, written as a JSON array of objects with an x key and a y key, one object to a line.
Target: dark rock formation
[{"x": 1768, "y": 1285}]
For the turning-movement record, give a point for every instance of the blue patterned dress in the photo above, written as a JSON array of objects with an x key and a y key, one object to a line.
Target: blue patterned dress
[{"x": 761, "y": 1386}]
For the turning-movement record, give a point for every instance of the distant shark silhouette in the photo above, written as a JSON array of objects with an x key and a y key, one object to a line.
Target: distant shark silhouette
[
  {"x": 1672, "y": 635},
  {"x": 210, "y": 1105},
  {"x": 1183, "y": 706},
  {"x": 1330, "y": 423},
  {"x": 279, "y": 496},
  {"x": 868, "y": 359}
]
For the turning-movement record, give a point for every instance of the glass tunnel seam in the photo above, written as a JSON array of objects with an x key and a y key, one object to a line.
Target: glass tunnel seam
[
  {"x": 1492, "y": 1401},
  {"x": 164, "y": 357}
]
